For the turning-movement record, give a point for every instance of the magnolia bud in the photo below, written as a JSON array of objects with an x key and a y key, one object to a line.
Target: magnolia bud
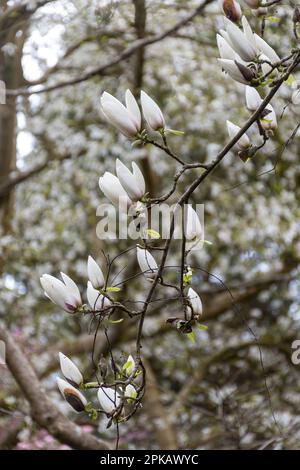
[
  {"x": 96, "y": 300},
  {"x": 130, "y": 393},
  {"x": 195, "y": 302},
  {"x": 241, "y": 41},
  {"x": 231, "y": 9},
  {"x": 65, "y": 294},
  {"x": 70, "y": 370},
  {"x": 133, "y": 182},
  {"x": 109, "y": 399},
  {"x": 95, "y": 273},
  {"x": 152, "y": 112},
  {"x": 147, "y": 263},
  {"x": 269, "y": 121},
  {"x": 129, "y": 365},
  {"x": 244, "y": 142},
  {"x": 126, "y": 119},
  {"x": 113, "y": 190}
]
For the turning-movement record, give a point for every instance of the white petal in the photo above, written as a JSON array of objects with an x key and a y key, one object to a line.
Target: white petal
[
  {"x": 118, "y": 115},
  {"x": 226, "y": 51},
  {"x": 147, "y": 263},
  {"x": 193, "y": 228},
  {"x": 244, "y": 142},
  {"x": 253, "y": 99},
  {"x": 72, "y": 287},
  {"x": 248, "y": 32},
  {"x": 240, "y": 43},
  {"x": 130, "y": 391},
  {"x": 152, "y": 112},
  {"x": 95, "y": 274},
  {"x": 232, "y": 69},
  {"x": 266, "y": 49},
  {"x": 269, "y": 122},
  {"x": 65, "y": 387},
  {"x": 96, "y": 300},
  {"x": 139, "y": 177},
  {"x": 129, "y": 370},
  {"x": 109, "y": 399},
  {"x": 195, "y": 301},
  {"x": 128, "y": 181},
  {"x": 70, "y": 370},
  {"x": 133, "y": 108},
  {"x": 58, "y": 293},
  {"x": 112, "y": 189}
]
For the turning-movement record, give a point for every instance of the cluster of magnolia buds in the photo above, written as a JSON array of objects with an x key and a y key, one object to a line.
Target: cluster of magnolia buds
[
  {"x": 110, "y": 398},
  {"x": 66, "y": 294},
  {"x": 244, "y": 55},
  {"x": 128, "y": 119},
  {"x": 127, "y": 187},
  {"x": 250, "y": 60}
]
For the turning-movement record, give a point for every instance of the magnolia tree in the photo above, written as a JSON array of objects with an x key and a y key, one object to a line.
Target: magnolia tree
[{"x": 118, "y": 386}]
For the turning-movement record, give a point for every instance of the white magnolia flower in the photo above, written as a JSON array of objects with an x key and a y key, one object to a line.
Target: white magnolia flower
[
  {"x": 113, "y": 190},
  {"x": 193, "y": 228},
  {"x": 269, "y": 122},
  {"x": 195, "y": 302},
  {"x": 244, "y": 142},
  {"x": 240, "y": 43},
  {"x": 231, "y": 67},
  {"x": 231, "y": 9},
  {"x": 253, "y": 99},
  {"x": 71, "y": 395},
  {"x": 130, "y": 392},
  {"x": 225, "y": 50},
  {"x": 152, "y": 112},
  {"x": 126, "y": 119},
  {"x": 109, "y": 399},
  {"x": 147, "y": 263},
  {"x": 65, "y": 294},
  {"x": 96, "y": 300},
  {"x": 130, "y": 365},
  {"x": 70, "y": 370},
  {"x": 254, "y": 4},
  {"x": 95, "y": 274},
  {"x": 267, "y": 50},
  {"x": 133, "y": 182}
]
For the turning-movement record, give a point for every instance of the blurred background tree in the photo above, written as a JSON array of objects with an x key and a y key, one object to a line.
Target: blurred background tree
[{"x": 56, "y": 58}]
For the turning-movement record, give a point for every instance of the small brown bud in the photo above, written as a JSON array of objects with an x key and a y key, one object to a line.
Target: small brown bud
[
  {"x": 232, "y": 10},
  {"x": 296, "y": 15}
]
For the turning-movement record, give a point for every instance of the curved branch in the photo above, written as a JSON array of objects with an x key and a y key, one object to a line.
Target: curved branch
[
  {"x": 141, "y": 43},
  {"x": 44, "y": 413}
]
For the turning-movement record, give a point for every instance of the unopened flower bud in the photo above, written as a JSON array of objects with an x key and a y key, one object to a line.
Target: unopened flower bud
[
  {"x": 109, "y": 399},
  {"x": 231, "y": 9},
  {"x": 75, "y": 399},
  {"x": 70, "y": 370}
]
